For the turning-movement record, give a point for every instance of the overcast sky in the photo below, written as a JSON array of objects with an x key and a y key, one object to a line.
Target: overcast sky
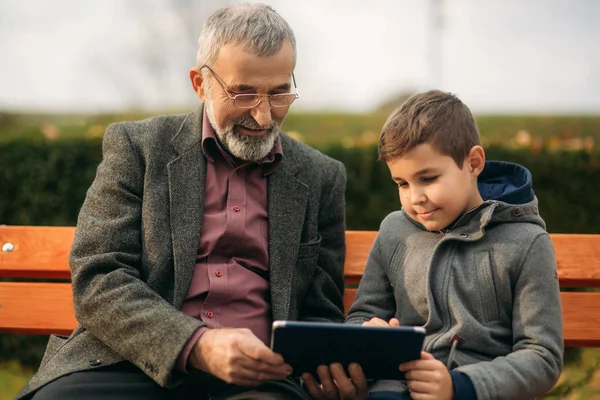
[{"x": 497, "y": 55}]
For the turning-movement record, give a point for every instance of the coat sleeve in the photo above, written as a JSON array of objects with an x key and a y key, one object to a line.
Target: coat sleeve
[
  {"x": 534, "y": 365},
  {"x": 111, "y": 299},
  {"x": 324, "y": 298}
]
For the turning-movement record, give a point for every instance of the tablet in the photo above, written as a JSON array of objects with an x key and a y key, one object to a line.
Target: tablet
[{"x": 378, "y": 350}]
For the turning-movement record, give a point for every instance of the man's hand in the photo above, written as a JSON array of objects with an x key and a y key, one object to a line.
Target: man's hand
[
  {"x": 428, "y": 378},
  {"x": 335, "y": 384},
  {"x": 379, "y": 322},
  {"x": 238, "y": 357}
]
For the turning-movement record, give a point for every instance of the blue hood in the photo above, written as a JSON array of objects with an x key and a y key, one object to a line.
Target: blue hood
[{"x": 506, "y": 182}]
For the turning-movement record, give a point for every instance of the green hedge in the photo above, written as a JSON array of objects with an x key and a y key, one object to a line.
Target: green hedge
[{"x": 44, "y": 183}]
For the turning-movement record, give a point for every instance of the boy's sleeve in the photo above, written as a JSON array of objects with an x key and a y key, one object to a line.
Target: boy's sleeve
[
  {"x": 463, "y": 388},
  {"x": 375, "y": 297},
  {"x": 534, "y": 365}
]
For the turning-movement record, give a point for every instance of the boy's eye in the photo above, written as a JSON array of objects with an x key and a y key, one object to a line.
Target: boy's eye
[
  {"x": 402, "y": 184},
  {"x": 429, "y": 178}
]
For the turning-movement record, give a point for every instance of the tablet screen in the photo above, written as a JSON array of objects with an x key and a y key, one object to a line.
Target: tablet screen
[{"x": 378, "y": 350}]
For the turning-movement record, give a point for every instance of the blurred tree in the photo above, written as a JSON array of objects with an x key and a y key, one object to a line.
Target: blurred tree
[
  {"x": 160, "y": 54},
  {"x": 393, "y": 102}
]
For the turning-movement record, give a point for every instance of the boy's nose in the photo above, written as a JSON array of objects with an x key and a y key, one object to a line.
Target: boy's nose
[{"x": 417, "y": 197}]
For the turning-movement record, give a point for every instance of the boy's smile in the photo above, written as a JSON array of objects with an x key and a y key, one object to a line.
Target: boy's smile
[
  {"x": 433, "y": 190},
  {"x": 428, "y": 214}
]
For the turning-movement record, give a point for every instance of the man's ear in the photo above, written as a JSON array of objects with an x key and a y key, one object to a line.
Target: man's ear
[
  {"x": 198, "y": 83},
  {"x": 476, "y": 159}
]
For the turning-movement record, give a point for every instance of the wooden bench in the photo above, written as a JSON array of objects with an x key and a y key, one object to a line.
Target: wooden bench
[{"x": 38, "y": 298}]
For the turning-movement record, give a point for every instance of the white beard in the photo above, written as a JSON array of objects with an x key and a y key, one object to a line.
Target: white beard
[{"x": 241, "y": 145}]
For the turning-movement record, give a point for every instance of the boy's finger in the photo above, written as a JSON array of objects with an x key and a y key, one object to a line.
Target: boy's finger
[
  {"x": 424, "y": 363},
  {"x": 410, "y": 365},
  {"x": 375, "y": 322},
  {"x": 421, "y": 365},
  {"x": 419, "y": 387},
  {"x": 394, "y": 322}
]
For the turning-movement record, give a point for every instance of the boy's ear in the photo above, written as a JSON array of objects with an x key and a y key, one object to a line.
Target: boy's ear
[{"x": 476, "y": 159}]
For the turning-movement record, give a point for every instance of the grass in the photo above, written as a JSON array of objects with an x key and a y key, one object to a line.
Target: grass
[{"x": 12, "y": 378}]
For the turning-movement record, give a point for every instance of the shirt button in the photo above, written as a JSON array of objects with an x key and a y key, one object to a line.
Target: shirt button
[
  {"x": 236, "y": 208},
  {"x": 210, "y": 314},
  {"x": 218, "y": 273}
]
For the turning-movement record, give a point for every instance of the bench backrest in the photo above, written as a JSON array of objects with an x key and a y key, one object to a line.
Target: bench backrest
[{"x": 30, "y": 254}]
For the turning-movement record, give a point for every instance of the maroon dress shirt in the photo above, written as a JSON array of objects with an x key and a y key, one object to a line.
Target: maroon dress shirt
[{"x": 230, "y": 283}]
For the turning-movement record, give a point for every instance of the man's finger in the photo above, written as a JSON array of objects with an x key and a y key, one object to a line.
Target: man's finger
[
  {"x": 312, "y": 386},
  {"x": 358, "y": 378},
  {"x": 258, "y": 370},
  {"x": 329, "y": 387},
  {"x": 345, "y": 386},
  {"x": 252, "y": 347},
  {"x": 394, "y": 322}
]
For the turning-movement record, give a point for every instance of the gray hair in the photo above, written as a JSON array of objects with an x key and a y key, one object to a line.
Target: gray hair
[{"x": 256, "y": 27}]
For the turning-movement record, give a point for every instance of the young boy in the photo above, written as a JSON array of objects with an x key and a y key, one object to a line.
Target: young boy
[{"x": 479, "y": 276}]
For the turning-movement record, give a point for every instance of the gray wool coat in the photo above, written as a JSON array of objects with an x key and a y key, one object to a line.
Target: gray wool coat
[
  {"x": 137, "y": 237},
  {"x": 489, "y": 282}
]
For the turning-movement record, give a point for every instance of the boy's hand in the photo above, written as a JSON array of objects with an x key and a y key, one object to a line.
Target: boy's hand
[
  {"x": 335, "y": 384},
  {"x": 428, "y": 378},
  {"x": 379, "y": 322}
]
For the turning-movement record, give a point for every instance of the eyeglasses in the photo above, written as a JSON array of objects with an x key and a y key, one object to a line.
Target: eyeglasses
[{"x": 251, "y": 100}]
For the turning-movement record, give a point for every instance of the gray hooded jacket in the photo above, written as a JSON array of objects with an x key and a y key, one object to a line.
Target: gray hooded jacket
[{"x": 486, "y": 292}]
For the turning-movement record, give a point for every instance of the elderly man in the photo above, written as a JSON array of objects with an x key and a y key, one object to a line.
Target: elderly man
[{"x": 198, "y": 231}]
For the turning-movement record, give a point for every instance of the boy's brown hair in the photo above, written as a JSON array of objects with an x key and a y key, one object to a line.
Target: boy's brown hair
[{"x": 434, "y": 117}]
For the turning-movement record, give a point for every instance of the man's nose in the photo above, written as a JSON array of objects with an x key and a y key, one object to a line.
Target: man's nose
[{"x": 262, "y": 113}]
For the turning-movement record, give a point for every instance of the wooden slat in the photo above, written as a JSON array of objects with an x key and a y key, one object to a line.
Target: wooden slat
[
  {"x": 577, "y": 257},
  {"x": 581, "y": 317},
  {"x": 358, "y": 247},
  {"x": 42, "y": 252},
  {"x": 349, "y": 296},
  {"x": 36, "y": 308},
  {"x": 39, "y": 251},
  {"x": 44, "y": 308}
]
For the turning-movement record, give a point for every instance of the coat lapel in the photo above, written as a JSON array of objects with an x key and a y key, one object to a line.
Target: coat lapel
[
  {"x": 186, "y": 194},
  {"x": 287, "y": 208}
]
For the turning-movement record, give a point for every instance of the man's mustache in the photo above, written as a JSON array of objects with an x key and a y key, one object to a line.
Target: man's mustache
[{"x": 250, "y": 123}]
